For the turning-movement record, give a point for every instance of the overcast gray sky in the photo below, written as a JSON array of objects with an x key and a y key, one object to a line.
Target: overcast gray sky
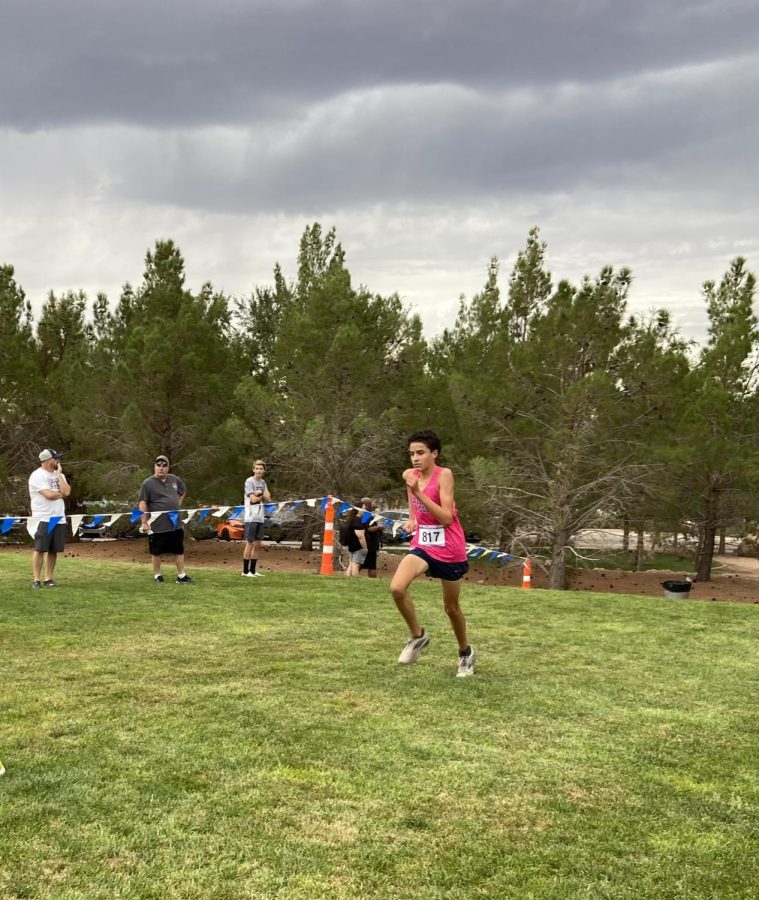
[{"x": 433, "y": 135}]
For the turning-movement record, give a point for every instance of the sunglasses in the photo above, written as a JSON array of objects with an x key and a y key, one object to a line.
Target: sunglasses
[{"x": 161, "y": 463}]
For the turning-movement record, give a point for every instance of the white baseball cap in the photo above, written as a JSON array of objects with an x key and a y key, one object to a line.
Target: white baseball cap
[{"x": 49, "y": 454}]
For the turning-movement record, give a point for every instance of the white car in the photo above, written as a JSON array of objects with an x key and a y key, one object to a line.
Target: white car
[{"x": 397, "y": 515}]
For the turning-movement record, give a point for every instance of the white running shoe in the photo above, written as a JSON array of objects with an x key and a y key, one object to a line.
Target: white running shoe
[
  {"x": 258, "y": 574},
  {"x": 248, "y": 575},
  {"x": 413, "y": 648},
  {"x": 466, "y": 664}
]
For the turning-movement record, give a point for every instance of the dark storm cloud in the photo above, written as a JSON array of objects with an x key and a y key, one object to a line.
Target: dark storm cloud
[
  {"x": 433, "y": 134},
  {"x": 439, "y": 144},
  {"x": 187, "y": 63}
]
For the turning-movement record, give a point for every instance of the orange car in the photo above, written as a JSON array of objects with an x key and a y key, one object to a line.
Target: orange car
[
  {"x": 231, "y": 530},
  {"x": 285, "y": 526}
]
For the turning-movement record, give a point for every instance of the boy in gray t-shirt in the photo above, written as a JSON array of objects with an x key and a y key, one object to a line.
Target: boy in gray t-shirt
[{"x": 256, "y": 494}]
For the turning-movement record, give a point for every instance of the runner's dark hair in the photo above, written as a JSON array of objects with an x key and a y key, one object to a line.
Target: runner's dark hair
[{"x": 427, "y": 437}]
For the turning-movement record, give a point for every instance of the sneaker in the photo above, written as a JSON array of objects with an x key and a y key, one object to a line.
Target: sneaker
[
  {"x": 36, "y": 585},
  {"x": 50, "y": 583},
  {"x": 158, "y": 579},
  {"x": 413, "y": 648},
  {"x": 258, "y": 574},
  {"x": 466, "y": 664},
  {"x": 184, "y": 579},
  {"x": 248, "y": 574}
]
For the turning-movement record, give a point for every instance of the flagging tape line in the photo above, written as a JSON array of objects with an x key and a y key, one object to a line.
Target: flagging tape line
[{"x": 331, "y": 506}]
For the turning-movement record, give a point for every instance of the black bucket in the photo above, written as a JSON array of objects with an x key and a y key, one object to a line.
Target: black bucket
[{"x": 676, "y": 590}]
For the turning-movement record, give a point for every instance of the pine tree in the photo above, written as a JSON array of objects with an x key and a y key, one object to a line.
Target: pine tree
[
  {"x": 22, "y": 413},
  {"x": 328, "y": 416},
  {"x": 719, "y": 425},
  {"x": 173, "y": 377}
]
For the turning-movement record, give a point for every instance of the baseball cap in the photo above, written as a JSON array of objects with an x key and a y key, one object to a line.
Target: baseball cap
[
  {"x": 162, "y": 459},
  {"x": 49, "y": 454}
]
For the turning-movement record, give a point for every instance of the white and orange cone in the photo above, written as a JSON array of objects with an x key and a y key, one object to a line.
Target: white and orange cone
[
  {"x": 328, "y": 540},
  {"x": 527, "y": 573}
]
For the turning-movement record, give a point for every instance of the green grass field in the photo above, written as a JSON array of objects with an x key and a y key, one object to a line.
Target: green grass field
[
  {"x": 249, "y": 738},
  {"x": 626, "y": 561}
]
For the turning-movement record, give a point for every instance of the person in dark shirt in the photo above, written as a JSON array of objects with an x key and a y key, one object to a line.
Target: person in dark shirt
[
  {"x": 164, "y": 493},
  {"x": 356, "y": 542},
  {"x": 373, "y": 540}
]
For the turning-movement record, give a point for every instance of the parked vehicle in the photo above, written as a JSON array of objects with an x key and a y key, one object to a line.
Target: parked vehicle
[
  {"x": 401, "y": 515},
  {"x": 285, "y": 525},
  {"x": 130, "y": 533},
  {"x": 230, "y": 530},
  {"x": 85, "y": 533},
  {"x": 14, "y": 533},
  {"x": 397, "y": 515}
]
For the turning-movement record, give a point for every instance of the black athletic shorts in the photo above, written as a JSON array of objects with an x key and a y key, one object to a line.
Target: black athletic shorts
[
  {"x": 50, "y": 542},
  {"x": 443, "y": 570},
  {"x": 169, "y": 542}
]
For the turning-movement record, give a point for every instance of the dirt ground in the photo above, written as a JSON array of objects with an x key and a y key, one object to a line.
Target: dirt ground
[{"x": 737, "y": 581}]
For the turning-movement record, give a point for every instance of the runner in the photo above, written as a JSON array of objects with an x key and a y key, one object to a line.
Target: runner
[{"x": 438, "y": 548}]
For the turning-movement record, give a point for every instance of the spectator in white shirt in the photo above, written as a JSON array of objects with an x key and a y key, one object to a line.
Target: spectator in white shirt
[{"x": 48, "y": 489}]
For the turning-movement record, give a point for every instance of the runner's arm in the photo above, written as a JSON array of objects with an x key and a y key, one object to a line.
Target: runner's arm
[
  {"x": 410, "y": 524},
  {"x": 443, "y": 511}
]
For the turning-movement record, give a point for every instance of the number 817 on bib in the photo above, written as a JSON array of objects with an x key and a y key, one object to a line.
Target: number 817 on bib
[{"x": 431, "y": 536}]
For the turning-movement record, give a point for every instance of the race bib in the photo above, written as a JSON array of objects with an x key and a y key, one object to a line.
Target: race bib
[{"x": 431, "y": 535}]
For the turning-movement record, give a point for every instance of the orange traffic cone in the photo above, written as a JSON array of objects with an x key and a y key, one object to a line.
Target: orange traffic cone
[
  {"x": 527, "y": 573},
  {"x": 328, "y": 565}
]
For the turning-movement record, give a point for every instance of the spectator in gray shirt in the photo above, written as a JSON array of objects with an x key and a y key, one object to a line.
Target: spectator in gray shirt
[
  {"x": 256, "y": 494},
  {"x": 163, "y": 492}
]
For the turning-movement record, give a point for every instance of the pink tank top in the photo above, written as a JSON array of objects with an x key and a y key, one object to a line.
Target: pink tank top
[{"x": 444, "y": 543}]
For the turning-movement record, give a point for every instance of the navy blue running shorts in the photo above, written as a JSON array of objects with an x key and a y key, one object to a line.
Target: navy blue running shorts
[{"x": 443, "y": 570}]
